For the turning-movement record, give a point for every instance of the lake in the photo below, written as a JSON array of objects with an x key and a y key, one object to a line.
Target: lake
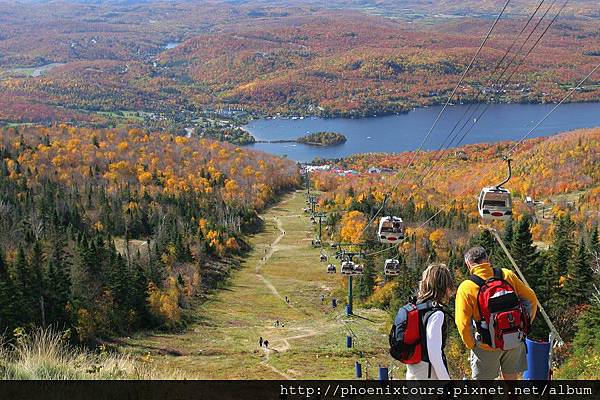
[{"x": 404, "y": 132}]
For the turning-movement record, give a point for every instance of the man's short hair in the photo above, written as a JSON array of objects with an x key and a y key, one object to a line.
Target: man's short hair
[{"x": 476, "y": 255}]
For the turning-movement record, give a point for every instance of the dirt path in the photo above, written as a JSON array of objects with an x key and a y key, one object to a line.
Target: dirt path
[
  {"x": 285, "y": 340},
  {"x": 265, "y": 259},
  {"x": 285, "y": 347}
]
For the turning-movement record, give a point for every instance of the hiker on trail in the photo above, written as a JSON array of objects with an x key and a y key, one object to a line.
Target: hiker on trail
[
  {"x": 260, "y": 341},
  {"x": 266, "y": 342},
  {"x": 494, "y": 310},
  {"x": 277, "y": 322},
  {"x": 287, "y": 300},
  {"x": 322, "y": 298},
  {"x": 425, "y": 316}
]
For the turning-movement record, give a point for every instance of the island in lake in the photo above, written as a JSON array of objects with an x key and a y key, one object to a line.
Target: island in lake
[
  {"x": 314, "y": 139},
  {"x": 322, "y": 139}
]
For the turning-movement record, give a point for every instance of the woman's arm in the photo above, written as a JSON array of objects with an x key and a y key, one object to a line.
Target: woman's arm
[{"x": 434, "y": 345}]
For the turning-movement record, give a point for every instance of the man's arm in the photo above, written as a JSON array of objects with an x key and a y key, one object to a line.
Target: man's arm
[
  {"x": 464, "y": 315},
  {"x": 525, "y": 293}
]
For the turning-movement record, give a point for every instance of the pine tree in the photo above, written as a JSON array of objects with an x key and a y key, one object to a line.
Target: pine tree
[
  {"x": 561, "y": 252},
  {"x": 59, "y": 283},
  {"x": 367, "y": 281},
  {"x": 138, "y": 291},
  {"x": 23, "y": 287},
  {"x": 578, "y": 285},
  {"x": 8, "y": 311},
  {"x": 38, "y": 283},
  {"x": 508, "y": 233},
  {"x": 524, "y": 253},
  {"x": 594, "y": 247}
]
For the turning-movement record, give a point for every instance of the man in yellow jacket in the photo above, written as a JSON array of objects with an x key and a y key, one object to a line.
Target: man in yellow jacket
[{"x": 487, "y": 362}]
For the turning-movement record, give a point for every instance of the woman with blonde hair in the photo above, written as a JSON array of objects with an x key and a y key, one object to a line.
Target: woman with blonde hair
[{"x": 435, "y": 289}]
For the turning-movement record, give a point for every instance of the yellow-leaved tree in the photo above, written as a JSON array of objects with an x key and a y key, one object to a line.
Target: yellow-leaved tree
[{"x": 353, "y": 225}]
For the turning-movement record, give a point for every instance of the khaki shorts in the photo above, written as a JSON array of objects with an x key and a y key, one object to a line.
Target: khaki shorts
[{"x": 486, "y": 365}]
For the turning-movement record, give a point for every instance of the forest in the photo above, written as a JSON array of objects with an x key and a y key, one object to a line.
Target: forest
[
  {"x": 105, "y": 232},
  {"x": 267, "y": 59},
  {"x": 556, "y": 241}
]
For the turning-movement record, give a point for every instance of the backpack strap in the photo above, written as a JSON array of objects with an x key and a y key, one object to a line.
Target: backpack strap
[
  {"x": 425, "y": 306},
  {"x": 498, "y": 274},
  {"x": 476, "y": 279},
  {"x": 429, "y": 311}
]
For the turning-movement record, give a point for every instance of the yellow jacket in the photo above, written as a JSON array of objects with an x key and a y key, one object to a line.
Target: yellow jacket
[{"x": 466, "y": 301}]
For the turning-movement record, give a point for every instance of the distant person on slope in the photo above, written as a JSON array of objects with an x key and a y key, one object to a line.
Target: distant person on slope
[
  {"x": 260, "y": 341},
  {"x": 494, "y": 310}
]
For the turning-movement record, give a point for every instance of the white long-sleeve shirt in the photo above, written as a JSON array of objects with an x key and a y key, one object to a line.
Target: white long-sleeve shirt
[{"x": 420, "y": 370}]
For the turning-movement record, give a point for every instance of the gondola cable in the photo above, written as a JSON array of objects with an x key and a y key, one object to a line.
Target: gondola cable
[
  {"x": 508, "y": 154},
  {"x": 437, "y": 119},
  {"x": 436, "y": 163}
]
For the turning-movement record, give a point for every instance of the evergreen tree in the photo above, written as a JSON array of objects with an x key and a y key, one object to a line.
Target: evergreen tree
[
  {"x": 594, "y": 247},
  {"x": 578, "y": 285},
  {"x": 38, "y": 283},
  {"x": 508, "y": 233},
  {"x": 138, "y": 293},
  {"x": 59, "y": 283},
  {"x": 367, "y": 281},
  {"x": 23, "y": 287},
  {"x": 8, "y": 311},
  {"x": 456, "y": 263},
  {"x": 524, "y": 253},
  {"x": 555, "y": 272},
  {"x": 588, "y": 329}
]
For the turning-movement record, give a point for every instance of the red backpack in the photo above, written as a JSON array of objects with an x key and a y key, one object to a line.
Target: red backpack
[
  {"x": 408, "y": 330},
  {"x": 504, "y": 323}
]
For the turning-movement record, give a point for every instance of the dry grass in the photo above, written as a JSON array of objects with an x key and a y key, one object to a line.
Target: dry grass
[{"x": 44, "y": 355}]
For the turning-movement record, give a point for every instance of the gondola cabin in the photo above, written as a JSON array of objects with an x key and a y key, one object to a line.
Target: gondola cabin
[
  {"x": 323, "y": 258},
  {"x": 391, "y": 230},
  {"x": 331, "y": 269},
  {"x": 316, "y": 243},
  {"x": 392, "y": 267},
  {"x": 347, "y": 268},
  {"x": 495, "y": 203},
  {"x": 359, "y": 269}
]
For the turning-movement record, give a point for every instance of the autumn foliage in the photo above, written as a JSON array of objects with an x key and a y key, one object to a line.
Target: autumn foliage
[{"x": 114, "y": 230}]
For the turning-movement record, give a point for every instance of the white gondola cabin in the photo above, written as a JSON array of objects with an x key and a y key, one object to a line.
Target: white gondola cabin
[
  {"x": 331, "y": 269},
  {"x": 495, "y": 203},
  {"x": 347, "y": 268},
  {"x": 391, "y": 230},
  {"x": 359, "y": 269},
  {"x": 316, "y": 243},
  {"x": 323, "y": 258},
  {"x": 392, "y": 267}
]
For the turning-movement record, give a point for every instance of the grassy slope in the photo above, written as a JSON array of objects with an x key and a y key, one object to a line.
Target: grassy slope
[{"x": 223, "y": 342}]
